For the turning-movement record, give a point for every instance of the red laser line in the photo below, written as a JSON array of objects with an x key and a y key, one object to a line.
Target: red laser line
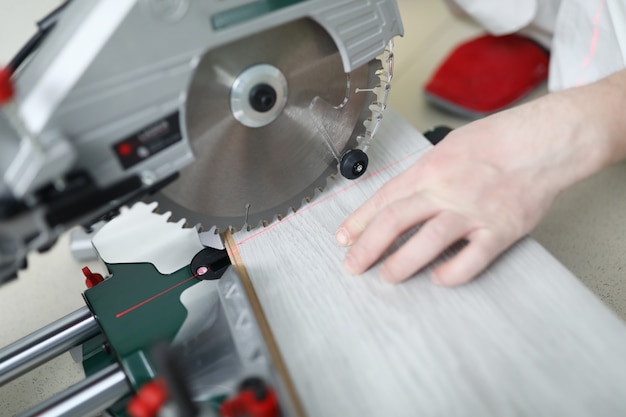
[
  {"x": 594, "y": 42},
  {"x": 154, "y": 297},
  {"x": 335, "y": 194}
]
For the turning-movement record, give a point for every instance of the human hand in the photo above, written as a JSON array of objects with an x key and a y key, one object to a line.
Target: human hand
[{"x": 488, "y": 183}]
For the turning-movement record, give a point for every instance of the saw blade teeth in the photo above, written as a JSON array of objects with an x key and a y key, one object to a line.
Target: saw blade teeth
[
  {"x": 140, "y": 234},
  {"x": 381, "y": 93},
  {"x": 170, "y": 217},
  {"x": 154, "y": 208},
  {"x": 259, "y": 224},
  {"x": 317, "y": 193}
]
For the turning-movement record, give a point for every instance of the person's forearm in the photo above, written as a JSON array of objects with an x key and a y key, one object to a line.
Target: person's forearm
[
  {"x": 596, "y": 127},
  {"x": 605, "y": 103}
]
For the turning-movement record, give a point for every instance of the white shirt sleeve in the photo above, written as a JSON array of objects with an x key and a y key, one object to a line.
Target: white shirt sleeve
[
  {"x": 500, "y": 17},
  {"x": 589, "y": 42}
]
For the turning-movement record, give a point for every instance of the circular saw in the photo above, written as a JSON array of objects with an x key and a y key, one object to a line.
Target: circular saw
[
  {"x": 269, "y": 118},
  {"x": 232, "y": 112}
]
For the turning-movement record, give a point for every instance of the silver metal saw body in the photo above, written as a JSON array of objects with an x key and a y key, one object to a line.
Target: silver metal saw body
[{"x": 253, "y": 102}]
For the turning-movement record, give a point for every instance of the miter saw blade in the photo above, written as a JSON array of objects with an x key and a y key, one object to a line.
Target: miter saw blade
[{"x": 269, "y": 117}]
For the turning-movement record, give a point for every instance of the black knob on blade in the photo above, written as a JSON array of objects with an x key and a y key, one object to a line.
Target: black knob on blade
[
  {"x": 262, "y": 97},
  {"x": 353, "y": 164}
]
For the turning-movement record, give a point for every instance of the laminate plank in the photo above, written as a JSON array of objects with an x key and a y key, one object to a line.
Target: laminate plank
[{"x": 525, "y": 338}]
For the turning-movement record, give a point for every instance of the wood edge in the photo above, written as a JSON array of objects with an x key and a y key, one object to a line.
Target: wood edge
[{"x": 266, "y": 331}]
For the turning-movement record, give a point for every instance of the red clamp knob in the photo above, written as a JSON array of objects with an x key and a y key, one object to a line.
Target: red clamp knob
[
  {"x": 6, "y": 86},
  {"x": 149, "y": 399},
  {"x": 247, "y": 404},
  {"x": 91, "y": 278}
]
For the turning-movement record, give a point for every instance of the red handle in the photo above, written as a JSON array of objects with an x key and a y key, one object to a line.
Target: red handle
[{"x": 6, "y": 86}]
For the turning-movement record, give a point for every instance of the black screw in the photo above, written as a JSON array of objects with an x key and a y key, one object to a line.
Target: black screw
[
  {"x": 106, "y": 348},
  {"x": 262, "y": 97},
  {"x": 437, "y": 134},
  {"x": 353, "y": 164}
]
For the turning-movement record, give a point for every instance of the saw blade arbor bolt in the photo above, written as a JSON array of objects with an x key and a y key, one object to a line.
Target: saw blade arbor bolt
[
  {"x": 262, "y": 97},
  {"x": 353, "y": 164},
  {"x": 258, "y": 95}
]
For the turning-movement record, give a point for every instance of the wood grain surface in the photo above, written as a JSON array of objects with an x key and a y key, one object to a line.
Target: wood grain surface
[{"x": 525, "y": 339}]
